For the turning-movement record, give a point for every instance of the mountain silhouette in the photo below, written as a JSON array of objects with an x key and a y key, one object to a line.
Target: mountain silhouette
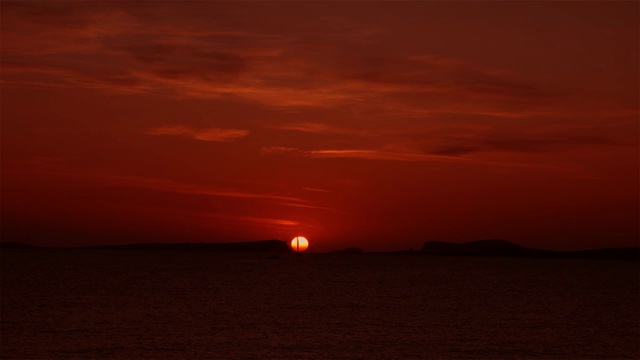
[
  {"x": 492, "y": 247},
  {"x": 248, "y": 246},
  {"x": 483, "y": 248},
  {"x": 503, "y": 248},
  {"x": 15, "y": 245},
  {"x": 276, "y": 246}
]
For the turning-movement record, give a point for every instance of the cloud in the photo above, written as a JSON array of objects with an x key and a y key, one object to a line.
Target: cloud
[
  {"x": 208, "y": 134},
  {"x": 461, "y": 152},
  {"x": 306, "y": 206},
  {"x": 315, "y": 189},
  {"x": 83, "y": 176},
  {"x": 254, "y": 220},
  {"x": 186, "y": 188},
  {"x": 323, "y": 128},
  {"x": 519, "y": 144},
  {"x": 363, "y": 154},
  {"x": 307, "y": 127},
  {"x": 182, "y": 188},
  {"x": 376, "y": 155},
  {"x": 268, "y": 150},
  {"x": 201, "y": 50},
  {"x": 437, "y": 76},
  {"x": 179, "y": 51}
]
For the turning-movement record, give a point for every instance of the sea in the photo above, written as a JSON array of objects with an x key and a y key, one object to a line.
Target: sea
[{"x": 128, "y": 304}]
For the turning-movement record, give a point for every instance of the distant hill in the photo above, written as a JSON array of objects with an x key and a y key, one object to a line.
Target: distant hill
[
  {"x": 486, "y": 248},
  {"x": 249, "y": 246},
  {"x": 630, "y": 253},
  {"x": 276, "y": 246},
  {"x": 503, "y": 248},
  {"x": 493, "y": 247},
  {"x": 16, "y": 245}
]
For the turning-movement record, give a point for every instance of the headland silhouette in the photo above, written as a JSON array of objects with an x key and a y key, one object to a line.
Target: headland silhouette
[{"x": 479, "y": 248}]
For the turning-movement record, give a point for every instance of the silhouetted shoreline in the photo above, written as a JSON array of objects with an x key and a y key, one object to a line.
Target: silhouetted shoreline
[
  {"x": 503, "y": 248},
  {"x": 269, "y": 246},
  {"x": 480, "y": 248}
]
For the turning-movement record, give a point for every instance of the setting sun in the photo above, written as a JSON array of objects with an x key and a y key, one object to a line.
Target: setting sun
[{"x": 299, "y": 244}]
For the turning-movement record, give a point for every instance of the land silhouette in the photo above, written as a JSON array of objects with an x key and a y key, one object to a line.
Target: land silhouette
[
  {"x": 503, "y": 248},
  {"x": 276, "y": 246},
  {"x": 480, "y": 248}
]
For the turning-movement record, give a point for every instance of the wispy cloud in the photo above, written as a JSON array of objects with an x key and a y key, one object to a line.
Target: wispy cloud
[
  {"x": 315, "y": 189},
  {"x": 268, "y": 150},
  {"x": 307, "y": 206},
  {"x": 519, "y": 144},
  {"x": 155, "y": 184},
  {"x": 176, "y": 50},
  {"x": 153, "y": 50},
  {"x": 254, "y": 220},
  {"x": 331, "y": 129},
  {"x": 208, "y": 134},
  {"x": 377, "y": 155},
  {"x": 306, "y": 127},
  {"x": 364, "y": 154},
  {"x": 183, "y": 188},
  {"x": 454, "y": 154}
]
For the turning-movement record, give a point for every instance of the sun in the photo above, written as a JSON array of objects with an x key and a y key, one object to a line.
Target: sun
[{"x": 299, "y": 244}]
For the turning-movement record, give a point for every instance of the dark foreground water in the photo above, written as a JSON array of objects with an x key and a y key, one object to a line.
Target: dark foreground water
[{"x": 89, "y": 304}]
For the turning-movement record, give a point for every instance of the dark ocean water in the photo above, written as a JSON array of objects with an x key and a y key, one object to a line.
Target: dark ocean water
[{"x": 91, "y": 304}]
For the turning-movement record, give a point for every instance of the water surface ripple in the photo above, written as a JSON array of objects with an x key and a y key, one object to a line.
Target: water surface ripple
[{"x": 93, "y": 304}]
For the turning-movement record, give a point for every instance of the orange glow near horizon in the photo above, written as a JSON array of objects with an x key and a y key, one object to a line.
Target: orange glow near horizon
[{"x": 299, "y": 244}]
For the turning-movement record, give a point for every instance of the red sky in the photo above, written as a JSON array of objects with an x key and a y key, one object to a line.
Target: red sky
[{"x": 370, "y": 124}]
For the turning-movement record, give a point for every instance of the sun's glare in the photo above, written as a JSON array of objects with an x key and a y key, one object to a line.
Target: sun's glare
[{"x": 299, "y": 244}]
